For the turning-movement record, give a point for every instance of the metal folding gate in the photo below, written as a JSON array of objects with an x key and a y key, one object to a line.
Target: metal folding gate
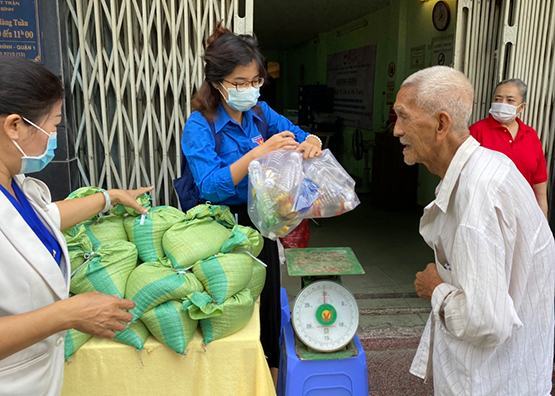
[
  {"x": 498, "y": 39},
  {"x": 133, "y": 67}
]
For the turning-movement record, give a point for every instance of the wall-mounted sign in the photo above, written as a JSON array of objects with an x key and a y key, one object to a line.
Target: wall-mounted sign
[
  {"x": 391, "y": 69},
  {"x": 417, "y": 57},
  {"x": 19, "y": 29},
  {"x": 442, "y": 51},
  {"x": 351, "y": 75}
]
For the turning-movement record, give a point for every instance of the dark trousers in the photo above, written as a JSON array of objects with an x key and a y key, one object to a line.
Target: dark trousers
[{"x": 270, "y": 307}]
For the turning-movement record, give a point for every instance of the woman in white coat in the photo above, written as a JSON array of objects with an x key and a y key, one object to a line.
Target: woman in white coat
[{"x": 35, "y": 309}]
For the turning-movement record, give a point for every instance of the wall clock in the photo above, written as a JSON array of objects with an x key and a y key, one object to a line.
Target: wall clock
[{"x": 441, "y": 15}]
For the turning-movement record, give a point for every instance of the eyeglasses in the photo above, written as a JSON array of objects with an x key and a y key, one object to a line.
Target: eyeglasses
[{"x": 256, "y": 83}]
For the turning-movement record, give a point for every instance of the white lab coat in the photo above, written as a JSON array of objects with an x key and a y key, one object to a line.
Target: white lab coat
[{"x": 30, "y": 279}]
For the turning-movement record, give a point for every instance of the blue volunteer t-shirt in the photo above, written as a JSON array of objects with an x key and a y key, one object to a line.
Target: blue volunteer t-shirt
[{"x": 209, "y": 168}]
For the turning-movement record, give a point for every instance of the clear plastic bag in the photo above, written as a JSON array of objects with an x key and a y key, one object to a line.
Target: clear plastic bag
[
  {"x": 284, "y": 189},
  {"x": 274, "y": 181},
  {"x": 336, "y": 188}
]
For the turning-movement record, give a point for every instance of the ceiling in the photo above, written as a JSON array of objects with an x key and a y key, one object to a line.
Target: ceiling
[{"x": 282, "y": 24}]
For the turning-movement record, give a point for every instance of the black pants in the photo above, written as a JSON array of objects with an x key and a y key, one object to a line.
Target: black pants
[{"x": 270, "y": 307}]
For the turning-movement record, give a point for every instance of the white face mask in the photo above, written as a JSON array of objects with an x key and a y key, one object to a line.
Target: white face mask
[{"x": 503, "y": 112}]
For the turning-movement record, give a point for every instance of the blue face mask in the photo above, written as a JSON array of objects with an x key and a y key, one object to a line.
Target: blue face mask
[
  {"x": 37, "y": 163},
  {"x": 242, "y": 100}
]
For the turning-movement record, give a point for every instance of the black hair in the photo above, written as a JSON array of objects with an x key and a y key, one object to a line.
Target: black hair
[
  {"x": 27, "y": 88},
  {"x": 225, "y": 51}
]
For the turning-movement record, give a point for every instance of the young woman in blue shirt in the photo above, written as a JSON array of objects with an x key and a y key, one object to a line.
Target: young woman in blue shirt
[{"x": 228, "y": 129}]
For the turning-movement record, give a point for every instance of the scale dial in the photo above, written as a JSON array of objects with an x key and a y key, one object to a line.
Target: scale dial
[{"x": 325, "y": 316}]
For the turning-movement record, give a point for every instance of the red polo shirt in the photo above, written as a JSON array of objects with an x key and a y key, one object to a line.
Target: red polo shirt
[{"x": 525, "y": 149}]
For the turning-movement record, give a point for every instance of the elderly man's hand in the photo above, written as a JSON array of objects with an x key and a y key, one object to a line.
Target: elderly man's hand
[{"x": 426, "y": 281}]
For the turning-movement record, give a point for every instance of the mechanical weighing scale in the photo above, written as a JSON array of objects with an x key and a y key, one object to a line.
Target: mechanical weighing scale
[{"x": 320, "y": 352}]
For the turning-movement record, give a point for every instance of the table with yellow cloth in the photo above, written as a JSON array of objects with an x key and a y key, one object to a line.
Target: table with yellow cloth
[{"x": 234, "y": 365}]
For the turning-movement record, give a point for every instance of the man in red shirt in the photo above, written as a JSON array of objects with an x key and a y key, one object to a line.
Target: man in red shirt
[{"x": 503, "y": 131}]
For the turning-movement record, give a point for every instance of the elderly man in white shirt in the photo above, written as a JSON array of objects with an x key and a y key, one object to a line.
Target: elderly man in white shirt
[{"x": 493, "y": 280}]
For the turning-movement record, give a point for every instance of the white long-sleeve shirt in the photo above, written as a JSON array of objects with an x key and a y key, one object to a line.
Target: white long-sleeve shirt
[{"x": 491, "y": 326}]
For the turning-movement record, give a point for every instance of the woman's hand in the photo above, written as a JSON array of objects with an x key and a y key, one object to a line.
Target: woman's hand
[
  {"x": 310, "y": 148},
  {"x": 74, "y": 211},
  {"x": 129, "y": 197},
  {"x": 93, "y": 313},
  {"x": 98, "y": 314},
  {"x": 280, "y": 141}
]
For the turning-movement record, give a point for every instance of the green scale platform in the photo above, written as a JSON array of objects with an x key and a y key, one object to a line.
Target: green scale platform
[{"x": 325, "y": 315}]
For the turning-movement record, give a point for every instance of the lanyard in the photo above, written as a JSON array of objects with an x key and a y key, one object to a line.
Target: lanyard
[{"x": 22, "y": 205}]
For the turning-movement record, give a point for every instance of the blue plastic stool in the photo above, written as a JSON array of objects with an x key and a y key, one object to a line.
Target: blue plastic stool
[
  {"x": 285, "y": 312},
  {"x": 342, "y": 377}
]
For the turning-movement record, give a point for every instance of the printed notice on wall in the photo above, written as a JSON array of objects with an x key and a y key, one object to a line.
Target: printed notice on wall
[
  {"x": 351, "y": 75},
  {"x": 19, "y": 29},
  {"x": 442, "y": 51},
  {"x": 417, "y": 57}
]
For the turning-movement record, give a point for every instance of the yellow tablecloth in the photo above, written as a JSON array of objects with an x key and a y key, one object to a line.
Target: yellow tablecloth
[{"x": 233, "y": 366}]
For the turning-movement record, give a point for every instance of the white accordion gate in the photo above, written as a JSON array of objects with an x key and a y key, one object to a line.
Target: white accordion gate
[
  {"x": 499, "y": 39},
  {"x": 133, "y": 67}
]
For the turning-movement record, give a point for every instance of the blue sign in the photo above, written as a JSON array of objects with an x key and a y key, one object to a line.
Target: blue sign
[{"x": 19, "y": 29}]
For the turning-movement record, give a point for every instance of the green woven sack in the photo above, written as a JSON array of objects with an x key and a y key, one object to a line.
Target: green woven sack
[
  {"x": 219, "y": 321},
  {"x": 105, "y": 270},
  {"x": 79, "y": 246},
  {"x": 219, "y": 213},
  {"x": 86, "y": 237},
  {"x": 106, "y": 229},
  {"x": 85, "y": 192},
  {"x": 135, "y": 335},
  {"x": 190, "y": 241},
  {"x": 201, "y": 305},
  {"x": 144, "y": 200},
  {"x": 74, "y": 339},
  {"x": 146, "y": 232},
  {"x": 224, "y": 275},
  {"x": 152, "y": 284},
  {"x": 171, "y": 325},
  {"x": 98, "y": 229},
  {"x": 258, "y": 278},
  {"x": 243, "y": 239}
]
